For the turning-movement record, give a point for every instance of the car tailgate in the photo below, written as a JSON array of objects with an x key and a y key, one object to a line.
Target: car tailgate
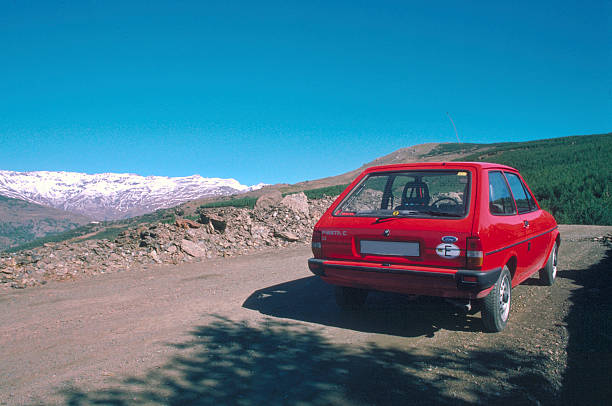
[{"x": 418, "y": 241}]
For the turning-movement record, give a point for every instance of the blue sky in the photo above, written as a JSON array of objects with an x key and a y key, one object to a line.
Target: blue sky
[{"x": 291, "y": 90}]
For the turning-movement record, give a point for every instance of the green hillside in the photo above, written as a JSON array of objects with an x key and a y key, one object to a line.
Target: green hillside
[
  {"x": 570, "y": 176},
  {"x": 21, "y": 221},
  {"x": 98, "y": 230}
]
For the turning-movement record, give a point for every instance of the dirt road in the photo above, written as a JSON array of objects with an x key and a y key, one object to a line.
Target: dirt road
[{"x": 260, "y": 330}]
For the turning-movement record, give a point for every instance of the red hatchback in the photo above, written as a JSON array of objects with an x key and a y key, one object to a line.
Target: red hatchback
[{"x": 465, "y": 230}]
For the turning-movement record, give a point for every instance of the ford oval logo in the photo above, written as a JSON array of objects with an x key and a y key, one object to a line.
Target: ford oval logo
[{"x": 449, "y": 239}]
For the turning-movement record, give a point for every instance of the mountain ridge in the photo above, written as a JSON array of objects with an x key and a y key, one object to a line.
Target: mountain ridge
[{"x": 112, "y": 196}]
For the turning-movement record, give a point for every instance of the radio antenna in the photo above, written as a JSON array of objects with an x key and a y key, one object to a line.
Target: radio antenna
[{"x": 453, "y": 123}]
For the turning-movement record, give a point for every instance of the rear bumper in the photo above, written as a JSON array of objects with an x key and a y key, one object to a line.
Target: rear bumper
[{"x": 402, "y": 279}]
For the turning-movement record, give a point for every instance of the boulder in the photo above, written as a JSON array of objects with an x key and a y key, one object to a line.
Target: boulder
[
  {"x": 186, "y": 223},
  {"x": 217, "y": 222},
  {"x": 271, "y": 199},
  {"x": 192, "y": 249},
  {"x": 286, "y": 235},
  {"x": 297, "y": 203}
]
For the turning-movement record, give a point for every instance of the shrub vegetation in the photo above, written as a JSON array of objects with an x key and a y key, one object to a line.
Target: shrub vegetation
[
  {"x": 325, "y": 191},
  {"x": 103, "y": 230},
  {"x": 66, "y": 235},
  {"x": 571, "y": 176},
  {"x": 232, "y": 202},
  {"x": 250, "y": 201}
]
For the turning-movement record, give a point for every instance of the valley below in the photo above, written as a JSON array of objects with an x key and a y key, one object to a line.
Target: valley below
[{"x": 259, "y": 328}]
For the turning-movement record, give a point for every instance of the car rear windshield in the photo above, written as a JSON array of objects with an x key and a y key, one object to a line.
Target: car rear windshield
[{"x": 409, "y": 194}]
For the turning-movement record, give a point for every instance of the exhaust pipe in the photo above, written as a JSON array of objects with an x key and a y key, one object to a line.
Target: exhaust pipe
[{"x": 464, "y": 305}]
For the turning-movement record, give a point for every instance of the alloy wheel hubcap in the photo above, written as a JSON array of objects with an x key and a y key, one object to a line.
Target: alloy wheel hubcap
[{"x": 504, "y": 298}]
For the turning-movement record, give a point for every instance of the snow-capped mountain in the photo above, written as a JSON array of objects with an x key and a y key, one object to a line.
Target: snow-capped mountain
[{"x": 109, "y": 196}]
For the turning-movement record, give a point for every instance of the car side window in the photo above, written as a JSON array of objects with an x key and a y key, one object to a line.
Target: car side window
[
  {"x": 524, "y": 201},
  {"x": 532, "y": 202},
  {"x": 500, "y": 199}
]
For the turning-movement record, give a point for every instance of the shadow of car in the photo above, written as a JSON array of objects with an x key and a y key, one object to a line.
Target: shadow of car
[{"x": 311, "y": 300}]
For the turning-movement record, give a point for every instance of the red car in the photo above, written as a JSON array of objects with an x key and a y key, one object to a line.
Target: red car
[{"x": 463, "y": 230}]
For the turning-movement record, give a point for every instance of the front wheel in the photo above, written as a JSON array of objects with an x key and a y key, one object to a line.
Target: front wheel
[
  {"x": 496, "y": 305},
  {"x": 548, "y": 274},
  {"x": 350, "y": 298}
]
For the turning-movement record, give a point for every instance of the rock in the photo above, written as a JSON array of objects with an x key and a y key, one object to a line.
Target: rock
[
  {"x": 297, "y": 202},
  {"x": 194, "y": 235},
  {"x": 209, "y": 228},
  {"x": 9, "y": 262},
  {"x": 186, "y": 224},
  {"x": 61, "y": 271},
  {"x": 155, "y": 257},
  {"x": 271, "y": 199},
  {"x": 192, "y": 249},
  {"x": 259, "y": 232},
  {"x": 217, "y": 223},
  {"x": 114, "y": 257},
  {"x": 148, "y": 234},
  {"x": 286, "y": 235}
]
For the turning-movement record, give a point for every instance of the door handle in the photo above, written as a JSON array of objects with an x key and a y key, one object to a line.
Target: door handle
[{"x": 526, "y": 224}]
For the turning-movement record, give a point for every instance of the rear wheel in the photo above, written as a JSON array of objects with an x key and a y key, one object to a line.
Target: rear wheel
[
  {"x": 496, "y": 305},
  {"x": 549, "y": 272},
  {"x": 350, "y": 298}
]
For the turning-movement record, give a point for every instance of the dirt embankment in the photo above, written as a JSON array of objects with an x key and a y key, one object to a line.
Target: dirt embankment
[{"x": 222, "y": 232}]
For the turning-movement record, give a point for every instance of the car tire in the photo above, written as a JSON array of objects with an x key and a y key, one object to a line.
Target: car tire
[
  {"x": 350, "y": 298},
  {"x": 496, "y": 305},
  {"x": 548, "y": 274}
]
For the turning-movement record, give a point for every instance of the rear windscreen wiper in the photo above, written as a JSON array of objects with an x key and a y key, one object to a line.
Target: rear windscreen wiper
[
  {"x": 381, "y": 219},
  {"x": 401, "y": 214}
]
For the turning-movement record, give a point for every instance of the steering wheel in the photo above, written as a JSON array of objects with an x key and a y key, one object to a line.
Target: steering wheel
[{"x": 455, "y": 202}]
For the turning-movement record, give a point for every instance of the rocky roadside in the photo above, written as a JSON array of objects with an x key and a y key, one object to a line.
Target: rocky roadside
[{"x": 275, "y": 221}]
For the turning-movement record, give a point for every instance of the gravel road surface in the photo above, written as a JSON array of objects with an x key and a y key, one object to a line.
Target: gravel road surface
[{"x": 261, "y": 330}]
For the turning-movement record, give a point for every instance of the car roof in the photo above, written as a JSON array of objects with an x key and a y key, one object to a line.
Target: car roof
[{"x": 438, "y": 165}]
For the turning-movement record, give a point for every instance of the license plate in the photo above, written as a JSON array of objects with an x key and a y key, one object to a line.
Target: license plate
[{"x": 390, "y": 248}]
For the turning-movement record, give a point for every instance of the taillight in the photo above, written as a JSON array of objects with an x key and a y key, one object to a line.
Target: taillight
[
  {"x": 317, "y": 250},
  {"x": 473, "y": 253}
]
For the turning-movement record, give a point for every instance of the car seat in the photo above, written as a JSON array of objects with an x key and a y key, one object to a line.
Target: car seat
[{"x": 414, "y": 194}]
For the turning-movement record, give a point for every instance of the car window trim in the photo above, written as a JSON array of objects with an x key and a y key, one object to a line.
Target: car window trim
[
  {"x": 516, "y": 213},
  {"x": 524, "y": 190},
  {"x": 529, "y": 194},
  {"x": 358, "y": 186}
]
